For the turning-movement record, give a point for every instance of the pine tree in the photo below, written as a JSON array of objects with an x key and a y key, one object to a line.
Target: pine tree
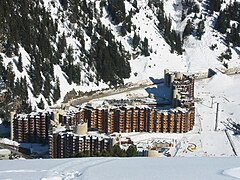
[
  {"x": 62, "y": 43},
  {"x": 233, "y": 36},
  {"x": 19, "y": 64},
  {"x": 56, "y": 91},
  {"x": 117, "y": 10},
  {"x": 188, "y": 29},
  {"x": 178, "y": 43},
  {"x": 36, "y": 80},
  {"x": 77, "y": 74},
  {"x": 123, "y": 29},
  {"x": 131, "y": 151},
  {"x": 26, "y": 107},
  {"x": 167, "y": 30},
  {"x": 222, "y": 22},
  {"x": 41, "y": 104},
  {"x": 89, "y": 28},
  {"x": 134, "y": 4},
  {"x": 234, "y": 8},
  {"x": 68, "y": 66},
  {"x": 196, "y": 8},
  {"x": 9, "y": 48},
  {"x": 200, "y": 29},
  {"x": 116, "y": 151},
  {"x": 10, "y": 76},
  {"x": 2, "y": 68},
  {"x": 183, "y": 15},
  {"x": 46, "y": 87},
  {"x": 17, "y": 88},
  {"x": 135, "y": 41},
  {"x": 128, "y": 22},
  {"x": 214, "y": 5},
  {"x": 227, "y": 54},
  {"x": 24, "y": 86},
  {"x": 144, "y": 47}
]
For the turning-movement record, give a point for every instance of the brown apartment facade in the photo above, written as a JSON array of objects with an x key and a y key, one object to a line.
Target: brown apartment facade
[
  {"x": 31, "y": 128},
  {"x": 134, "y": 119},
  {"x": 68, "y": 144}
]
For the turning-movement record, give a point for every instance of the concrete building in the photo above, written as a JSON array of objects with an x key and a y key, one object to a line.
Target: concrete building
[
  {"x": 181, "y": 87},
  {"x": 31, "y": 128},
  {"x": 81, "y": 129},
  {"x": 135, "y": 119},
  {"x": 65, "y": 144}
]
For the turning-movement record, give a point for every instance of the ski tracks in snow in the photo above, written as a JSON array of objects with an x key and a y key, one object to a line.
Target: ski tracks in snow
[{"x": 74, "y": 168}]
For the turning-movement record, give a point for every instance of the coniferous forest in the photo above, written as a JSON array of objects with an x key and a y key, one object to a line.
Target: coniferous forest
[
  {"x": 27, "y": 24},
  {"x": 98, "y": 56}
]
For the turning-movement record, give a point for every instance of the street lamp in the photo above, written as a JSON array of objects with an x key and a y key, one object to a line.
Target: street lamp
[
  {"x": 216, "y": 121},
  {"x": 212, "y": 101}
]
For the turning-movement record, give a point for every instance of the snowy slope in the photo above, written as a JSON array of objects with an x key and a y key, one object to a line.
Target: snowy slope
[
  {"x": 125, "y": 168},
  {"x": 197, "y": 56},
  {"x": 224, "y": 90}
]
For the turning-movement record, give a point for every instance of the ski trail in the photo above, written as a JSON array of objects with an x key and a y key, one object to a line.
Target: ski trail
[{"x": 74, "y": 168}]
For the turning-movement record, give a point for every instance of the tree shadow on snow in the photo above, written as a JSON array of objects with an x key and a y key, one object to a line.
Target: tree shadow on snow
[{"x": 237, "y": 50}]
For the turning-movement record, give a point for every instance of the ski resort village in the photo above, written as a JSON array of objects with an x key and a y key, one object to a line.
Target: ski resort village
[
  {"x": 119, "y": 89},
  {"x": 180, "y": 115},
  {"x": 163, "y": 119}
]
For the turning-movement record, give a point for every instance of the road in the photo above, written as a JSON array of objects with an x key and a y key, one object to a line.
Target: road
[
  {"x": 106, "y": 93},
  {"x": 102, "y": 94}
]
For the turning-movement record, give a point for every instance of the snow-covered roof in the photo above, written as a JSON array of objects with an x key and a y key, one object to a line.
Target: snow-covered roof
[{"x": 5, "y": 152}]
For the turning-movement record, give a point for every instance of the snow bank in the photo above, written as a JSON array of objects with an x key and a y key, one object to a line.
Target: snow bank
[
  {"x": 234, "y": 172},
  {"x": 7, "y": 141}
]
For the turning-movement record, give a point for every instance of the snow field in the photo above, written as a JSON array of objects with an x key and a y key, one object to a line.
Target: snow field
[{"x": 121, "y": 168}]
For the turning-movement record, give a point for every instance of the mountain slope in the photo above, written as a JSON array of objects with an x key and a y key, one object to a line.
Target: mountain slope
[{"x": 91, "y": 45}]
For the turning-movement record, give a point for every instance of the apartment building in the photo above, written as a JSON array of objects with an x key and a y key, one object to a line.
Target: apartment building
[
  {"x": 181, "y": 87},
  {"x": 138, "y": 119},
  {"x": 69, "y": 144},
  {"x": 31, "y": 128}
]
